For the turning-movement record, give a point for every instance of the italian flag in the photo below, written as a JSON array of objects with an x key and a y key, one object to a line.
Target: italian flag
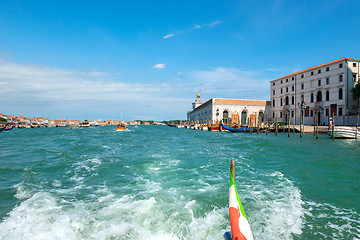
[{"x": 240, "y": 228}]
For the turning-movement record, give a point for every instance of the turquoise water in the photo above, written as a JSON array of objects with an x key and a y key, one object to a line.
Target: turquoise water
[{"x": 158, "y": 182}]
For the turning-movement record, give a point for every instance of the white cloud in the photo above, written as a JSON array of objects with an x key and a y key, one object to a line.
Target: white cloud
[
  {"x": 213, "y": 24},
  {"x": 230, "y": 83},
  {"x": 196, "y": 27},
  {"x": 168, "y": 35},
  {"x": 34, "y": 90},
  {"x": 159, "y": 65}
]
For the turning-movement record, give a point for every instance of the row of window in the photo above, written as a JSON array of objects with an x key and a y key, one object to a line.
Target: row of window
[
  {"x": 340, "y": 113},
  {"x": 319, "y": 83},
  {"x": 327, "y": 69},
  {"x": 318, "y": 98}
]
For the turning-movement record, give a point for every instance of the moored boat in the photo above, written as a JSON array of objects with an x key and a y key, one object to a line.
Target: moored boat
[
  {"x": 344, "y": 132},
  {"x": 204, "y": 127},
  {"x": 214, "y": 127},
  {"x": 236, "y": 130}
]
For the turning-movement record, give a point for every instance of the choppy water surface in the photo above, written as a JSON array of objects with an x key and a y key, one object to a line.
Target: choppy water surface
[{"x": 157, "y": 182}]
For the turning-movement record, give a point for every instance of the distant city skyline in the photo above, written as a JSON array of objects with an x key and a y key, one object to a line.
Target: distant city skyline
[{"x": 147, "y": 60}]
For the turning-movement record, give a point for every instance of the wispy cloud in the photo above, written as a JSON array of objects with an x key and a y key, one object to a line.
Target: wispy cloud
[
  {"x": 159, "y": 65},
  {"x": 169, "y": 35},
  {"x": 213, "y": 24},
  {"x": 196, "y": 27}
]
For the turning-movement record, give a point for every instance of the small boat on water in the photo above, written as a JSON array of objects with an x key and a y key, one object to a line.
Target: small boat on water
[
  {"x": 204, "y": 127},
  {"x": 121, "y": 127},
  {"x": 240, "y": 228},
  {"x": 214, "y": 127},
  {"x": 344, "y": 132},
  {"x": 236, "y": 130},
  {"x": 84, "y": 124}
]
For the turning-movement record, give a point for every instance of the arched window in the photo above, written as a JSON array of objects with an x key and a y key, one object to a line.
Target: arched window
[
  {"x": 340, "y": 93},
  {"x": 286, "y": 100},
  {"x": 319, "y": 96},
  {"x": 327, "y": 95},
  {"x": 312, "y": 97},
  {"x": 261, "y": 117},
  {"x": 225, "y": 114},
  {"x": 281, "y": 101}
]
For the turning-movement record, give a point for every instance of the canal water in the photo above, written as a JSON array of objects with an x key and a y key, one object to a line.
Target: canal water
[{"x": 158, "y": 182}]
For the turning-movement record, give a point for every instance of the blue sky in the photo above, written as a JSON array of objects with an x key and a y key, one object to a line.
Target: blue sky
[{"x": 147, "y": 59}]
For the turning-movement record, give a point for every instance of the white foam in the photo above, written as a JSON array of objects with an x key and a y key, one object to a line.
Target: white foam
[
  {"x": 277, "y": 211},
  {"x": 45, "y": 216},
  {"x": 56, "y": 183},
  {"x": 22, "y": 191}
]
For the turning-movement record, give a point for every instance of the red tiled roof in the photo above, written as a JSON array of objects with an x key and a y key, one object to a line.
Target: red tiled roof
[
  {"x": 322, "y": 65},
  {"x": 239, "y": 101}
]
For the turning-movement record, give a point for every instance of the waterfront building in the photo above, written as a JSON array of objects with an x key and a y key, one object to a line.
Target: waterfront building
[
  {"x": 230, "y": 111},
  {"x": 325, "y": 90}
]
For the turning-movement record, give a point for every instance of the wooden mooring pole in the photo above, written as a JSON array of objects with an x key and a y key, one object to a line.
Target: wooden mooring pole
[
  {"x": 357, "y": 125},
  {"x": 251, "y": 123},
  {"x": 276, "y": 126},
  {"x": 314, "y": 124},
  {"x": 300, "y": 123},
  {"x": 332, "y": 126},
  {"x": 289, "y": 126},
  {"x": 267, "y": 127},
  {"x": 317, "y": 126}
]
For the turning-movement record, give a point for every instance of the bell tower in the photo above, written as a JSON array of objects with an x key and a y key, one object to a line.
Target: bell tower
[{"x": 198, "y": 101}]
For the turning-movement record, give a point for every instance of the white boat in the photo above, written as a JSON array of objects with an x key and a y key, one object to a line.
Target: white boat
[
  {"x": 84, "y": 124},
  {"x": 344, "y": 132}
]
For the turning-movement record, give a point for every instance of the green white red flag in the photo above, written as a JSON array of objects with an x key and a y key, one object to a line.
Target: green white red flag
[{"x": 240, "y": 228}]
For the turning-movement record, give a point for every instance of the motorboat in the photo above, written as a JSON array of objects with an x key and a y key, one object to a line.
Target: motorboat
[
  {"x": 344, "y": 132},
  {"x": 84, "y": 124},
  {"x": 121, "y": 127}
]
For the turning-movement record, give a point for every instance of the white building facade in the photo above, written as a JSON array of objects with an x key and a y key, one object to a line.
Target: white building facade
[
  {"x": 325, "y": 90},
  {"x": 231, "y": 111}
]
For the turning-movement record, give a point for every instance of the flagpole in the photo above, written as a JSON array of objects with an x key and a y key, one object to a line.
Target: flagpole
[{"x": 232, "y": 167}]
